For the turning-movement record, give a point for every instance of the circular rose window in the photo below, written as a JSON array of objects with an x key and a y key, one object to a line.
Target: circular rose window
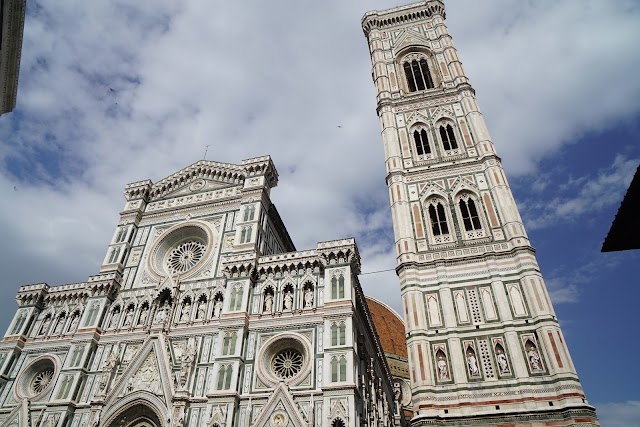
[
  {"x": 181, "y": 250},
  {"x": 185, "y": 256},
  {"x": 284, "y": 357},
  {"x": 36, "y": 378},
  {"x": 287, "y": 363}
]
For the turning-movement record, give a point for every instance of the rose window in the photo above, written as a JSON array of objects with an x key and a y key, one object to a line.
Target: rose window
[
  {"x": 41, "y": 381},
  {"x": 185, "y": 256},
  {"x": 287, "y": 363}
]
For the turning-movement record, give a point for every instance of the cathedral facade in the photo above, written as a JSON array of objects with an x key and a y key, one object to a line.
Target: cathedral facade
[
  {"x": 202, "y": 314},
  {"x": 484, "y": 343}
]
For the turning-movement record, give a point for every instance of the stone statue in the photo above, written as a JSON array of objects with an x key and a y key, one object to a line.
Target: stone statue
[
  {"x": 186, "y": 360},
  {"x": 442, "y": 369},
  {"x": 115, "y": 318},
  {"x": 128, "y": 317},
  {"x": 217, "y": 309},
  {"x": 142, "y": 320},
  {"x": 288, "y": 301},
  {"x": 308, "y": 298},
  {"x": 473, "y": 364},
  {"x": 186, "y": 311},
  {"x": 45, "y": 325},
  {"x": 503, "y": 364},
  {"x": 58, "y": 328},
  {"x": 268, "y": 303},
  {"x": 534, "y": 358},
  {"x": 161, "y": 314},
  {"x": 200, "y": 314},
  {"x": 73, "y": 326}
]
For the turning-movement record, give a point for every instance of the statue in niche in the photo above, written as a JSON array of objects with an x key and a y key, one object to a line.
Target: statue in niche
[
  {"x": 144, "y": 314},
  {"x": 534, "y": 358},
  {"x": 73, "y": 326},
  {"x": 128, "y": 317},
  {"x": 217, "y": 309},
  {"x": 308, "y": 298},
  {"x": 186, "y": 311},
  {"x": 45, "y": 325},
  {"x": 161, "y": 314},
  {"x": 186, "y": 360},
  {"x": 268, "y": 303},
  {"x": 473, "y": 364},
  {"x": 288, "y": 301},
  {"x": 503, "y": 364},
  {"x": 115, "y": 318},
  {"x": 57, "y": 330},
  {"x": 200, "y": 313},
  {"x": 442, "y": 368}
]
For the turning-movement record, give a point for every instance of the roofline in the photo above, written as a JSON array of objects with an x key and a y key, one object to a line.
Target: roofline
[{"x": 387, "y": 307}]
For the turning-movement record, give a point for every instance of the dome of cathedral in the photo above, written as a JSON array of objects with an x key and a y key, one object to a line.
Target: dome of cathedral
[{"x": 390, "y": 327}]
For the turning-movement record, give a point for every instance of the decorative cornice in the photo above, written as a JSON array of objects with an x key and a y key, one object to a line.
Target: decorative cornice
[{"x": 402, "y": 15}]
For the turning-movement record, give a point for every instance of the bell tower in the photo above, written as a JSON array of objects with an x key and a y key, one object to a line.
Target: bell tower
[{"x": 483, "y": 340}]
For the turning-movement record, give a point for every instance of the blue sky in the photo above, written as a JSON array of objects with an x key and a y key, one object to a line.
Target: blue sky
[{"x": 113, "y": 92}]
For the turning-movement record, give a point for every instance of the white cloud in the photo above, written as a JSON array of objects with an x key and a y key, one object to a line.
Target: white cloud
[
  {"x": 115, "y": 92},
  {"x": 579, "y": 197},
  {"x": 619, "y": 414}
]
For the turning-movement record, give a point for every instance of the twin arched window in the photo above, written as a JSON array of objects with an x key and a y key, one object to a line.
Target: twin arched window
[
  {"x": 229, "y": 343},
  {"x": 438, "y": 219},
  {"x": 469, "y": 213},
  {"x": 338, "y": 369},
  {"x": 448, "y": 138},
  {"x": 224, "y": 377},
  {"x": 338, "y": 334},
  {"x": 418, "y": 75},
  {"x": 422, "y": 142},
  {"x": 337, "y": 287}
]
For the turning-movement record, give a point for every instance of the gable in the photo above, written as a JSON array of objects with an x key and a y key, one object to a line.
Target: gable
[{"x": 280, "y": 410}]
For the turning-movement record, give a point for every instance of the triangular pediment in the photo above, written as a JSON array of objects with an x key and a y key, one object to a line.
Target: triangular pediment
[
  {"x": 197, "y": 186},
  {"x": 197, "y": 176},
  {"x": 433, "y": 189},
  {"x": 149, "y": 370},
  {"x": 410, "y": 37},
  {"x": 280, "y": 410},
  {"x": 415, "y": 117},
  {"x": 462, "y": 184}
]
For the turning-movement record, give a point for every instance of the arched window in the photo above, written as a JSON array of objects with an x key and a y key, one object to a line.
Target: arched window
[
  {"x": 342, "y": 372},
  {"x": 342, "y": 333},
  {"x": 448, "y": 137},
  {"x": 469, "y": 214},
  {"x": 334, "y": 369},
  {"x": 418, "y": 75},
  {"x": 114, "y": 255},
  {"x": 229, "y": 343},
  {"x": 338, "y": 333},
  {"x": 438, "y": 219},
  {"x": 334, "y": 334},
  {"x": 422, "y": 142},
  {"x": 337, "y": 287},
  {"x": 224, "y": 377},
  {"x": 337, "y": 423},
  {"x": 249, "y": 213}
]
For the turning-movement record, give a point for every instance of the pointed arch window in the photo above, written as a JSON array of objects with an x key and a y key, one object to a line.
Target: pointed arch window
[
  {"x": 337, "y": 287},
  {"x": 421, "y": 141},
  {"x": 448, "y": 137},
  {"x": 338, "y": 333},
  {"x": 469, "y": 213},
  {"x": 229, "y": 343},
  {"x": 438, "y": 219},
  {"x": 224, "y": 377},
  {"x": 338, "y": 369},
  {"x": 418, "y": 75}
]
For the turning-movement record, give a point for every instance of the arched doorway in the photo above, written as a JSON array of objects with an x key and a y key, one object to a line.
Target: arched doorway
[{"x": 139, "y": 415}]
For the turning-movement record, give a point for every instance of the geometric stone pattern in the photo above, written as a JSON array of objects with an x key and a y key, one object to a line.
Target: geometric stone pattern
[
  {"x": 196, "y": 304},
  {"x": 483, "y": 339}
]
